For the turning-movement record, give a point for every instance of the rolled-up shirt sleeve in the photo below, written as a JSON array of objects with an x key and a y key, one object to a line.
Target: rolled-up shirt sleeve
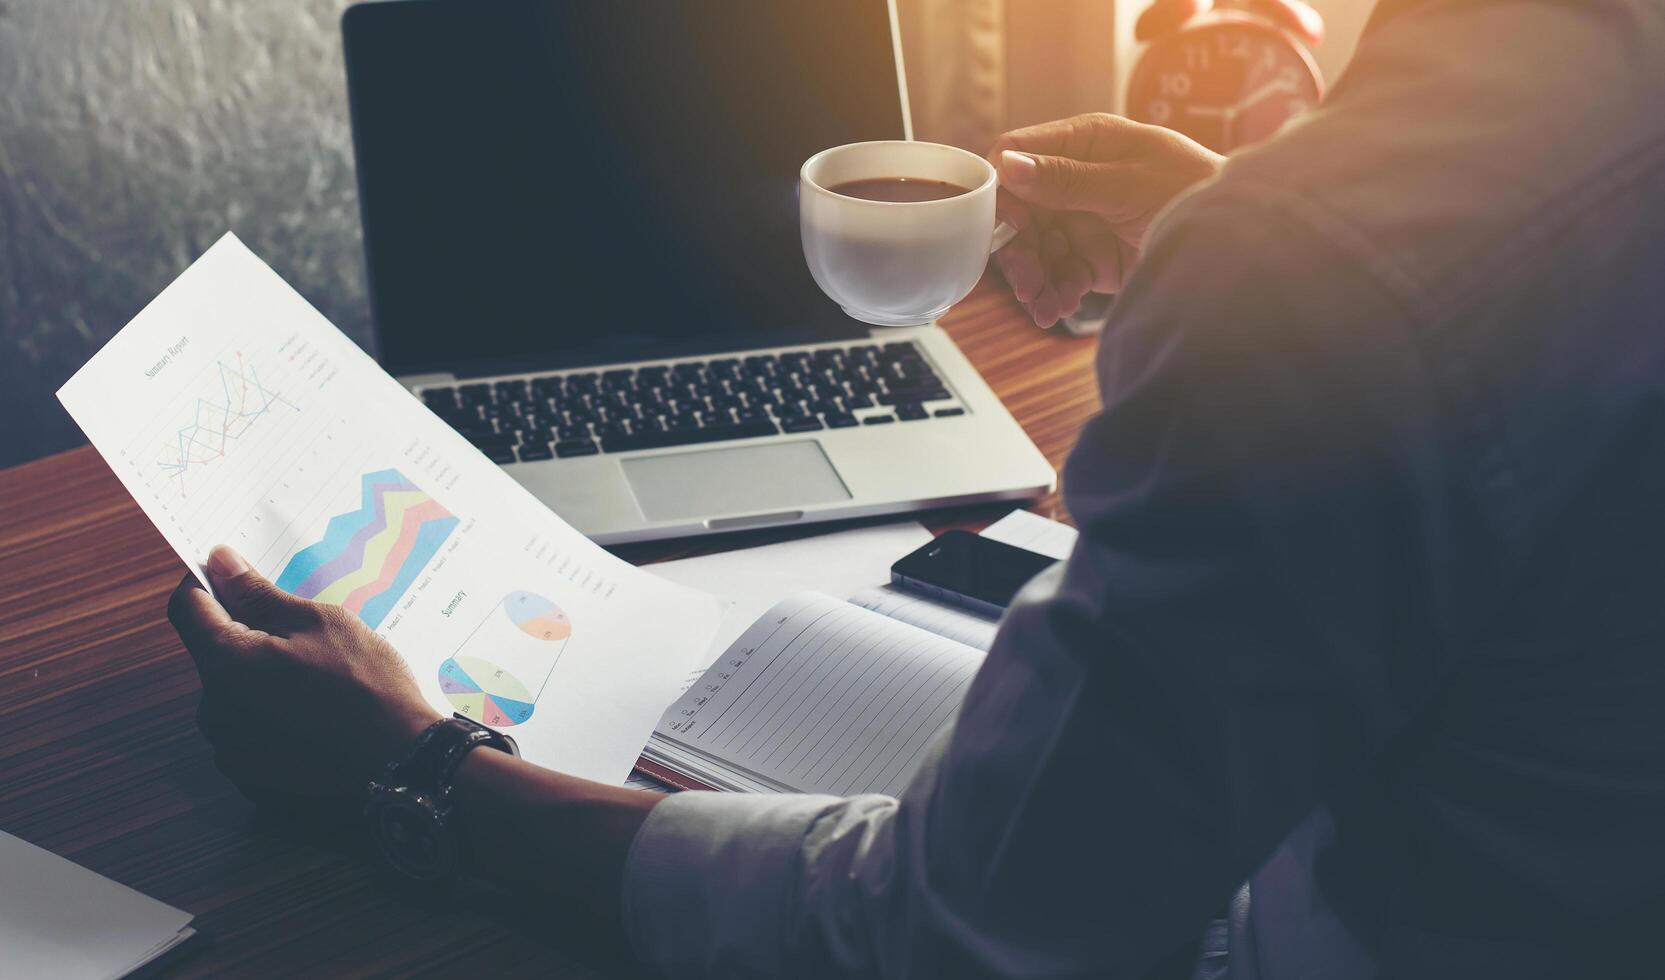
[{"x": 1255, "y": 501}]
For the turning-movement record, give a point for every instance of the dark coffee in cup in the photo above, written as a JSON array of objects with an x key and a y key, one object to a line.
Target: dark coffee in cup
[
  {"x": 897, "y": 251},
  {"x": 899, "y": 190}
]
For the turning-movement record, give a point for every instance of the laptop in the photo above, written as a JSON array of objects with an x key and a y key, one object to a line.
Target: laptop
[{"x": 581, "y": 231}]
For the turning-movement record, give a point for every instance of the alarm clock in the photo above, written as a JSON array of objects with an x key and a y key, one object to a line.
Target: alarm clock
[{"x": 1225, "y": 76}]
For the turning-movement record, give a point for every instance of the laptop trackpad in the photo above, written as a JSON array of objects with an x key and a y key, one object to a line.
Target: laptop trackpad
[{"x": 743, "y": 480}]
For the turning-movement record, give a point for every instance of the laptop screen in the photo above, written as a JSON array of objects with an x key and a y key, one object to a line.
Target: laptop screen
[{"x": 558, "y": 182}]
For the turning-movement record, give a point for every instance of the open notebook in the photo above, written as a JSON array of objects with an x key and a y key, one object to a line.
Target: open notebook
[{"x": 822, "y": 695}]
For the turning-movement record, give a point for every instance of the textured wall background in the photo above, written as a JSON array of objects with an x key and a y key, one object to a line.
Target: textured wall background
[{"x": 133, "y": 134}]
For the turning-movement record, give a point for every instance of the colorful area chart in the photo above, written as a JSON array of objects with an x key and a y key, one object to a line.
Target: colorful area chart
[
  {"x": 537, "y": 616},
  {"x": 369, "y": 557},
  {"x": 484, "y": 692}
]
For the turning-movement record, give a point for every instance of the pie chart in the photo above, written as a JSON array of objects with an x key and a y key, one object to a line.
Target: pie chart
[
  {"x": 536, "y": 616},
  {"x": 484, "y": 692}
]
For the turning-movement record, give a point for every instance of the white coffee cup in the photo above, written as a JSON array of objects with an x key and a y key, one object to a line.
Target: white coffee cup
[{"x": 891, "y": 263}]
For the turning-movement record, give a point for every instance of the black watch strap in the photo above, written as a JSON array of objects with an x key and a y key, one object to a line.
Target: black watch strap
[{"x": 441, "y": 748}]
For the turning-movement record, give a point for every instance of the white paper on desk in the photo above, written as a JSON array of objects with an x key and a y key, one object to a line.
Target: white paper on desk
[
  {"x": 59, "y": 920},
  {"x": 753, "y": 579},
  {"x": 234, "y": 412},
  {"x": 1029, "y": 530}
]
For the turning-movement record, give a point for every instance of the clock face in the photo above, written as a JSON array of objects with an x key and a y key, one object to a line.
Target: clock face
[{"x": 1224, "y": 84}]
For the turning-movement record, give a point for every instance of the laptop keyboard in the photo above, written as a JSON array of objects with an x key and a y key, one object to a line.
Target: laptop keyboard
[{"x": 588, "y": 412}]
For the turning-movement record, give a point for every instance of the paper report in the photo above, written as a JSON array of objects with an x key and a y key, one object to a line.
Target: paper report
[{"x": 235, "y": 413}]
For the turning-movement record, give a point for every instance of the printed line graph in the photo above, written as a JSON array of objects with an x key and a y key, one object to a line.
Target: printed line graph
[
  {"x": 239, "y": 443},
  {"x": 220, "y": 416}
]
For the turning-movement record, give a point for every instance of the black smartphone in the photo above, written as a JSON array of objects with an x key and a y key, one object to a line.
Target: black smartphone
[{"x": 966, "y": 570}]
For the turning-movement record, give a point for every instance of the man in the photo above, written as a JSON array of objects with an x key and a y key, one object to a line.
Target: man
[{"x": 1373, "y": 547}]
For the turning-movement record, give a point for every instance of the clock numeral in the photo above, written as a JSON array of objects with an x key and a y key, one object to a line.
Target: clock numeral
[
  {"x": 1159, "y": 111},
  {"x": 1196, "y": 57},
  {"x": 1175, "y": 85},
  {"x": 1234, "y": 45}
]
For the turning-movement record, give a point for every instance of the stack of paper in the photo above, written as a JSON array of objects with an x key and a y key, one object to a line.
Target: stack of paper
[{"x": 59, "y": 920}]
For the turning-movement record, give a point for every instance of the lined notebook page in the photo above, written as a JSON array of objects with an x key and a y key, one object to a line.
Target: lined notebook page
[
  {"x": 943, "y": 620},
  {"x": 823, "y": 696}
]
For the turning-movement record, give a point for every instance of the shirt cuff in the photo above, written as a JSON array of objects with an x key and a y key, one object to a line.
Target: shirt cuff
[{"x": 712, "y": 880}]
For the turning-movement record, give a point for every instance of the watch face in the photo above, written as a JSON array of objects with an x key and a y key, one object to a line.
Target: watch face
[
  {"x": 411, "y": 833},
  {"x": 1227, "y": 83}
]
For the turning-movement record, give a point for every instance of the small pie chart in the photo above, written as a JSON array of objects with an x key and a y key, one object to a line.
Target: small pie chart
[
  {"x": 485, "y": 692},
  {"x": 536, "y": 616}
]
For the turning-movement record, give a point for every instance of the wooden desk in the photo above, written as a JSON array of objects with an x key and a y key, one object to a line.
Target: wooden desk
[{"x": 100, "y": 760}]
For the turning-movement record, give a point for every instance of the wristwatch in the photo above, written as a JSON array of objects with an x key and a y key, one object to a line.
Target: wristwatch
[{"x": 409, "y": 806}]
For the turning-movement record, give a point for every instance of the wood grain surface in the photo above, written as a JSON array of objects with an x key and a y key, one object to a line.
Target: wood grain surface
[{"x": 100, "y": 760}]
